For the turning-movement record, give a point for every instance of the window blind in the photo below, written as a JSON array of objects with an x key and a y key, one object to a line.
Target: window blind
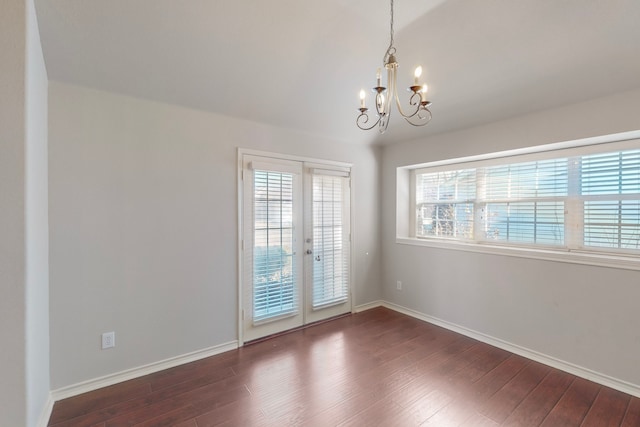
[
  {"x": 330, "y": 241},
  {"x": 521, "y": 201},
  {"x": 579, "y": 198},
  {"x": 274, "y": 290},
  {"x": 610, "y": 189},
  {"x": 445, "y": 203}
]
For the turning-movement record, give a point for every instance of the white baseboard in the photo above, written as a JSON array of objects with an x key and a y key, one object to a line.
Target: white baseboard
[
  {"x": 579, "y": 371},
  {"x": 368, "y": 306},
  {"x": 129, "y": 374},
  {"x": 94, "y": 384},
  {"x": 45, "y": 415}
]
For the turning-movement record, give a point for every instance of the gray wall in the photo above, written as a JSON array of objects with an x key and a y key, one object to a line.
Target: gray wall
[
  {"x": 143, "y": 226},
  {"x": 580, "y": 314},
  {"x": 24, "y": 316}
]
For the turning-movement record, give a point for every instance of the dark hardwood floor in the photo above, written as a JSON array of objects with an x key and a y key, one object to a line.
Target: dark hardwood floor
[{"x": 377, "y": 368}]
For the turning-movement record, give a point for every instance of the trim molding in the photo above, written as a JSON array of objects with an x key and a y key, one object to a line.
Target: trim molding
[
  {"x": 597, "y": 259},
  {"x": 111, "y": 379},
  {"x": 368, "y": 306},
  {"x": 45, "y": 415},
  {"x": 129, "y": 374},
  {"x": 579, "y": 371}
]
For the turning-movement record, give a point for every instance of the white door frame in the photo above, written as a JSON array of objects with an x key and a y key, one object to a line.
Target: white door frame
[{"x": 240, "y": 197}]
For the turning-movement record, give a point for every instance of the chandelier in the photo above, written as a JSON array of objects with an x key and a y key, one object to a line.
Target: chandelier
[{"x": 418, "y": 113}]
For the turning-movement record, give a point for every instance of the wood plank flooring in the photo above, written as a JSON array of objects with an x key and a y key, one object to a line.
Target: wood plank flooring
[{"x": 377, "y": 368}]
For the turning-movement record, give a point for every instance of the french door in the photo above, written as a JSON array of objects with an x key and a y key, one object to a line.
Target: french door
[{"x": 295, "y": 244}]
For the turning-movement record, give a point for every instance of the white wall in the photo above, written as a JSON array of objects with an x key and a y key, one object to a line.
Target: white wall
[
  {"x": 143, "y": 226},
  {"x": 24, "y": 327},
  {"x": 37, "y": 225},
  {"x": 580, "y": 314},
  {"x": 12, "y": 208}
]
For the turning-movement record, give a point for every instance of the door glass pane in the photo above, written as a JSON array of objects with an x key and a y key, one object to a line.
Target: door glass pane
[
  {"x": 330, "y": 247},
  {"x": 274, "y": 288}
]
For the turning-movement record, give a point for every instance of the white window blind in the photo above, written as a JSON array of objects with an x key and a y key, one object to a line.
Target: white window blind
[
  {"x": 445, "y": 203},
  {"x": 585, "y": 198},
  {"x": 330, "y": 240},
  {"x": 274, "y": 290},
  {"x": 610, "y": 190},
  {"x": 524, "y": 202}
]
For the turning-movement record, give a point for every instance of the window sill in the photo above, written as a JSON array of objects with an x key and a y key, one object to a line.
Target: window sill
[{"x": 559, "y": 255}]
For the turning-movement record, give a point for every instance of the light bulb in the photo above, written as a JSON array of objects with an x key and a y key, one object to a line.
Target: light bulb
[
  {"x": 362, "y": 96},
  {"x": 417, "y": 74},
  {"x": 378, "y": 77}
]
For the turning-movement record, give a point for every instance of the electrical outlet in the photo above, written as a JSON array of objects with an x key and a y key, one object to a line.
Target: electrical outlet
[
  {"x": 108, "y": 340},
  {"x": 399, "y": 285}
]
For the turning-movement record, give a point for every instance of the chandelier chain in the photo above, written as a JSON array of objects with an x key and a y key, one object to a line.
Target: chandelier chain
[{"x": 391, "y": 50}]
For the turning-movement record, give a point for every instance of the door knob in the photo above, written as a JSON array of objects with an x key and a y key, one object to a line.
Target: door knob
[{"x": 309, "y": 251}]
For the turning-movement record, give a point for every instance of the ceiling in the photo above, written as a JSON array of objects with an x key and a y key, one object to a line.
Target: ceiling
[{"x": 300, "y": 64}]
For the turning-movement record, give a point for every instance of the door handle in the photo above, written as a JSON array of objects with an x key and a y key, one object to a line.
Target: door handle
[{"x": 309, "y": 251}]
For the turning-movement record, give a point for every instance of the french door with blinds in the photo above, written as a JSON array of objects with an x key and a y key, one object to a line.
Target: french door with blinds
[{"x": 295, "y": 244}]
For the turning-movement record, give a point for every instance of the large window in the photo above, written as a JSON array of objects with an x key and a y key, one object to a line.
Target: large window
[{"x": 583, "y": 198}]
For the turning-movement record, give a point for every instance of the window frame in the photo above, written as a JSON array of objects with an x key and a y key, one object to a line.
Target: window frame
[{"x": 570, "y": 251}]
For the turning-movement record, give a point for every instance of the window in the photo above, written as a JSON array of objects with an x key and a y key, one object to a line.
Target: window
[{"x": 582, "y": 198}]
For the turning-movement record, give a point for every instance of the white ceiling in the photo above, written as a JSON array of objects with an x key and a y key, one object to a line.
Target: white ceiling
[{"x": 300, "y": 64}]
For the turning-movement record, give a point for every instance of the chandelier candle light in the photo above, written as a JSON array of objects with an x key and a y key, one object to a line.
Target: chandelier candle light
[{"x": 419, "y": 113}]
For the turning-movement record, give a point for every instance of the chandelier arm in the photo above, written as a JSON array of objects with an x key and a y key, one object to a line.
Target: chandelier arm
[
  {"x": 363, "y": 118},
  {"x": 383, "y": 109},
  {"x": 426, "y": 118},
  {"x": 385, "y": 115},
  {"x": 391, "y": 81},
  {"x": 384, "y": 122},
  {"x": 392, "y": 78},
  {"x": 381, "y": 104},
  {"x": 413, "y": 102}
]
